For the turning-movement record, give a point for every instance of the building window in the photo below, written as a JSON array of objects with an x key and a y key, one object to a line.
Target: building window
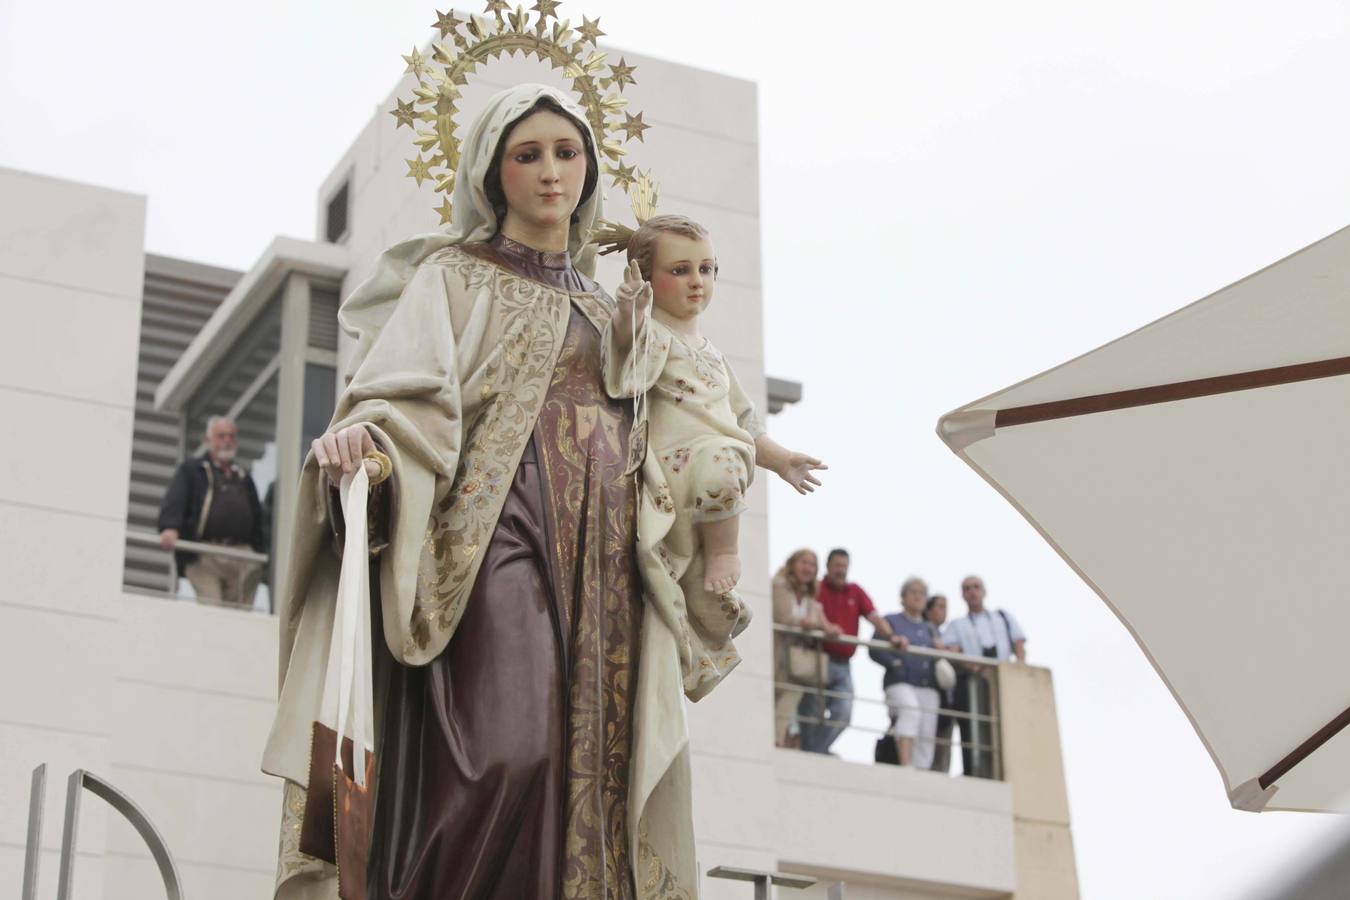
[{"x": 336, "y": 221}]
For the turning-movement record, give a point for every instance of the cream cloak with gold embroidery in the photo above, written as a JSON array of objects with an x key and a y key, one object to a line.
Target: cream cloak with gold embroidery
[{"x": 454, "y": 357}]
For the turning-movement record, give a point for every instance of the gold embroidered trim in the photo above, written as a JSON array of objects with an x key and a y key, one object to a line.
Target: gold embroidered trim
[
  {"x": 532, "y": 322},
  {"x": 657, "y": 881},
  {"x": 290, "y": 861}
]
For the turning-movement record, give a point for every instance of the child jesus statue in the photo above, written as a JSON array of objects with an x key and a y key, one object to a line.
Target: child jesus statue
[{"x": 702, "y": 440}]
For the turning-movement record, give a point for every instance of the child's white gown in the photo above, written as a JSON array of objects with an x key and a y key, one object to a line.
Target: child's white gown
[{"x": 699, "y": 459}]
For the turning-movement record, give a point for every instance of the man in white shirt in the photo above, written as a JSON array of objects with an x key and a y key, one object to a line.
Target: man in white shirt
[
  {"x": 995, "y": 635},
  {"x": 983, "y": 633}
]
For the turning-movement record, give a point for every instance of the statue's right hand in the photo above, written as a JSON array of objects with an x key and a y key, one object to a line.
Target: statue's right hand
[
  {"x": 339, "y": 452},
  {"x": 634, "y": 296}
]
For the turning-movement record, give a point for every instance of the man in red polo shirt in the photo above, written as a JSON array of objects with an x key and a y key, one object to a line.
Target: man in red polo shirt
[{"x": 844, "y": 604}]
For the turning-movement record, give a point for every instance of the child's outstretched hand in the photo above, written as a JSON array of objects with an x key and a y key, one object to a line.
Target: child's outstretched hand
[
  {"x": 796, "y": 470},
  {"x": 633, "y": 301}
]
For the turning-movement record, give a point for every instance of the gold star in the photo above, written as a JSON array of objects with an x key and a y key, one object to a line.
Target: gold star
[
  {"x": 546, "y": 8},
  {"x": 633, "y": 126},
  {"x": 446, "y": 23},
  {"x": 622, "y": 73},
  {"x": 417, "y": 63},
  {"x": 444, "y": 210},
  {"x": 417, "y": 168},
  {"x": 624, "y": 176},
  {"x": 590, "y": 30},
  {"x": 404, "y": 113},
  {"x": 497, "y": 7}
]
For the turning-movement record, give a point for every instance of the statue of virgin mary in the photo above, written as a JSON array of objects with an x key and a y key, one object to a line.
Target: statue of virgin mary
[{"x": 530, "y": 731}]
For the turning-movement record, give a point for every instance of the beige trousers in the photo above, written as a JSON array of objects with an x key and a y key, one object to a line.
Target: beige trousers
[
  {"x": 231, "y": 581},
  {"x": 784, "y": 711}
]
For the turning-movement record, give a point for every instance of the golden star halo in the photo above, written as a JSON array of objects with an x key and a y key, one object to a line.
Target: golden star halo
[
  {"x": 466, "y": 45},
  {"x": 624, "y": 175},
  {"x": 590, "y": 30},
  {"x": 546, "y": 8},
  {"x": 444, "y": 210},
  {"x": 417, "y": 64},
  {"x": 622, "y": 73},
  {"x": 404, "y": 113},
  {"x": 633, "y": 126},
  {"x": 417, "y": 168},
  {"x": 447, "y": 22}
]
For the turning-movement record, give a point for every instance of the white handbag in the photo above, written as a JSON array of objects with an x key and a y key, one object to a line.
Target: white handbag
[{"x": 944, "y": 673}]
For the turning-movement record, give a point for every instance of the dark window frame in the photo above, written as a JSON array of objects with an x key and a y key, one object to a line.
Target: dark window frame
[{"x": 339, "y": 201}]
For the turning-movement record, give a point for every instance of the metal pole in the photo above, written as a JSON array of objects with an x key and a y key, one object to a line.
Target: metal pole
[
  {"x": 822, "y": 661},
  {"x": 80, "y": 780},
  {"x": 762, "y": 880},
  {"x": 996, "y": 727},
  {"x": 173, "y": 574},
  {"x": 173, "y": 886},
  {"x": 66, "y": 873},
  {"x": 226, "y": 550},
  {"x": 33, "y": 850},
  {"x": 295, "y": 301}
]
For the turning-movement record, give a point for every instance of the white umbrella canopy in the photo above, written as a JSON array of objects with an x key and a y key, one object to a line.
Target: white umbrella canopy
[{"x": 1196, "y": 474}]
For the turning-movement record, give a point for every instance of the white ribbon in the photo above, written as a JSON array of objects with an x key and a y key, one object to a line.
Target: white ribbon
[
  {"x": 639, "y": 356},
  {"x": 347, "y": 692}
]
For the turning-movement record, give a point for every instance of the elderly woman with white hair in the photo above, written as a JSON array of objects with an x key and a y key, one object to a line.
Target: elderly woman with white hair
[{"x": 910, "y": 682}]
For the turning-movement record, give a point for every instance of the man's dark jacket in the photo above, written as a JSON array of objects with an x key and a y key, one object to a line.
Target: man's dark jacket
[{"x": 184, "y": 506}]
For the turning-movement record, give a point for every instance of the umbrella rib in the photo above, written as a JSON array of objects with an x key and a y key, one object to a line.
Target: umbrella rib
[
  {"x": 1304, "y": 750},
  {"x": 1167, "y": 393}
]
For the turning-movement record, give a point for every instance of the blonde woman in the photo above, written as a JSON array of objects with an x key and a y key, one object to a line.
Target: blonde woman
[{"x": 796, "y": 658}]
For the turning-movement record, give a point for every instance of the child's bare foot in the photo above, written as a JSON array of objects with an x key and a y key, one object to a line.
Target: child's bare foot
[{"x": 722, "y": 573}]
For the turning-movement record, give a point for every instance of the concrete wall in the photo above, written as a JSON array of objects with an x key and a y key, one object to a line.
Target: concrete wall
[
  {"x": 170, "y": 702},
  {"x": 193, "y": 692},
  {"x": 71, "y": 268},
  {"x": 1034, "y": 766},
  {"x": 893, "y": 827}
]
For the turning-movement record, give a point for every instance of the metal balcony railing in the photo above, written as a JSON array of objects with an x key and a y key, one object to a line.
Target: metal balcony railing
[
  {"x": 80, "y": 781},
  {"x": 974, "y": 702},
  {"x": 151, "y": 539}
]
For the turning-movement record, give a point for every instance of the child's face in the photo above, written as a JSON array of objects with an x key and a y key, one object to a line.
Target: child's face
[{"x": 683, "y": 275}]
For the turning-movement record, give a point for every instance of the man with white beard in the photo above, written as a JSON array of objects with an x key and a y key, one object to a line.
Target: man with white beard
[{"x": 211, "y": 500}]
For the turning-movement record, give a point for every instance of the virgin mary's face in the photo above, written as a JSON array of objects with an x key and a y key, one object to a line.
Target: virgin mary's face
[{"x": 543, "y": 170}]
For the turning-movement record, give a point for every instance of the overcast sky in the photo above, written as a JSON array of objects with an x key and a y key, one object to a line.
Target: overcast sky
[{"x": 955, "y": 196}]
